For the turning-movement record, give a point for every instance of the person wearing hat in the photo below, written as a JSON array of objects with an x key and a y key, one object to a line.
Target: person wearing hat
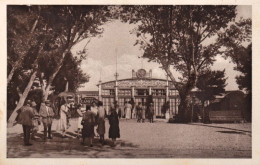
[
  {"x": 36, "y": 120},
  {"x": 25, "y": 119},
  {"x": 46, "y": 113},
  {"x": 63, "y": 122}
]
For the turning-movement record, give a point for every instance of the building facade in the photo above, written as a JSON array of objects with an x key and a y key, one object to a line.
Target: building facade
[{"x": 138, "y": 88}]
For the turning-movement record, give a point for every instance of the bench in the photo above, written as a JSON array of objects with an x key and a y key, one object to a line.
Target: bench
[{"x": 226, "y": 116}]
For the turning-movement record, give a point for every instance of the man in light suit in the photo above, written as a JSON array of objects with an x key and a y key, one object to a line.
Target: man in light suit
[{"x": 46, "y": 113}]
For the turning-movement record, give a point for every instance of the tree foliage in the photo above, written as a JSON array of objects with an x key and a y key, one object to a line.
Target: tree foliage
[
  {"x": 40, "y": 39},
  {"x": 181, "y": 38},
  {"x": 237, "y": 41},
  {"x": 210, "y": 84}
]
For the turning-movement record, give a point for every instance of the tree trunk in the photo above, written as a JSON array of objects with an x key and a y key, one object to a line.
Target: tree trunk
[
  {"x": 183, "y": 108},
  {"x": 10, "y": 75},
  {"x": 51, "y": 78},
  {"x": 22, "y": 98}
]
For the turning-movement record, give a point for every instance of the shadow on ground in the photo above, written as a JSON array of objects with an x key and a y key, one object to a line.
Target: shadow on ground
[
  {"x": 70, "y": 146},
  {"x": 232, "y": 132},
  {"x": 213, "y": 126}
]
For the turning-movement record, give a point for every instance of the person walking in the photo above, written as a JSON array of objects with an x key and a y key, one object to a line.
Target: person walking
[
  {"x": 36, "y": 120},
  {"x": 62, "y": 123},
  {"x": 88, "y": 122},
  {"x": 26, "y": 120},
  {"x": 139, "y": 112},
  {"x": 80, "y": 112},
  {"x": 94, "y": 110},
  {"x": 101, "y": 122},
  {"x": 128, "y": 108},
  {"x": 143, "y": 113},
  {"x": 150, "y": 111},
  {"x": 46, "y": 113},
  {"x": 114, "y": 131}
]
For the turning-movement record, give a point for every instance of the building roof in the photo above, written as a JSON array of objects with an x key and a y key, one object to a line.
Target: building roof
[{"x": 89, "y": 93}]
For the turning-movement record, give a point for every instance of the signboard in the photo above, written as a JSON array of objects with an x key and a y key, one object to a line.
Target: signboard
[{"x": 88, "y": 100}]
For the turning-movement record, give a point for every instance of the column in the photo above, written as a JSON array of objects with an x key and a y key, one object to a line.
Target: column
[
  {"x": 116, "y": 92},
  {"x": 99, "y": 91},
  {"x": 167, "y": 89},
  {"x": 133, "y": 92},
  {"x": 150, "y": 90}
]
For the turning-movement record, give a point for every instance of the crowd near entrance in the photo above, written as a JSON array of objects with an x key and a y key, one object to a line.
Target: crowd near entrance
[{"x": 141, "y": 88}]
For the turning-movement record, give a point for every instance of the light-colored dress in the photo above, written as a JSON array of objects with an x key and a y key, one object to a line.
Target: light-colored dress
[
  {"x": 80, "y": 112},
  {"x": 62, "y": 123},
  {"x": 128, "y": 111},
  {"x": 101, "y": 121}
]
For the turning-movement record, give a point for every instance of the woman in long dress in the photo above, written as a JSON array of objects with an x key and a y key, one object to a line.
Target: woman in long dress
[
  {"x": 114, "y": 131},
  {"x": 128, "y": 108},
  {"x": 88, "y": 122},
  {"x": 62, "y": 123},
  {"x": 101, "y": 122},
  {"x": 80, "y": 112}
]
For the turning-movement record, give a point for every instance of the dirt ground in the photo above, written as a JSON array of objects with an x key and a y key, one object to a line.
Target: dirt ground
[{"x": 141, "y": 140}]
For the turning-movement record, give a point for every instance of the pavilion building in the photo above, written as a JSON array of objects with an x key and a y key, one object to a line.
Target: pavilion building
[{"x": 138, "y": 88}]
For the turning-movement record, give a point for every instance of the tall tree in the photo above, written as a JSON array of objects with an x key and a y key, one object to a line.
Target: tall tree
[
  {"x": 71, "y": 25},
  {"x": 21, "y": 29},
  {"x": 181, "y": 38},
  {"x": 237, "y": 41},
  {"x": 210, "y": 84},
  {"x": 60, "y": 28}
]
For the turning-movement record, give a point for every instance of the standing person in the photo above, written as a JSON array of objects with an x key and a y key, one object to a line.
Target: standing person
[
  {"x": 132, "y": 102},
  {"x": 94, "y": 110},
  {"x": 62, "y": 123},
  {"x": 143, "y": 113},
  {"x": 101, "y": 122},
  {"x": 128, "y": 108},
  {"x": 88, "y": 122},
  {"x": 26, "y": 119},
  {"x": 122, "y": 109},
  {"x": 46, "y": 113},
  {"x": 36, "y": 120},
  {"x": 165, "y": 108},
  {"x": 150, "y": 112},
  {"x": 114, "y": 131},
  {"x": 139, "y": 112},
  {"x": 80, "y": 112}
]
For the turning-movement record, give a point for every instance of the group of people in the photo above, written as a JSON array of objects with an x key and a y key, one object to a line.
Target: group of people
[
  {"x": 90, "y": 117},
  {"x": 30, "y": 120},
  {"x": 140, "y": 111},
  {"x": 94, "y": 116}
]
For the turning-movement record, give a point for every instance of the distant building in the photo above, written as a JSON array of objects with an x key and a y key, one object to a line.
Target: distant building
[
  {"x": 138, "y": 88},
  {"x": 230, "y": 100}
]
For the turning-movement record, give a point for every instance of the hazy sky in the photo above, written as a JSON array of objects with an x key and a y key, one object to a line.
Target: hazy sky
[{"x": 101, "y": 58}]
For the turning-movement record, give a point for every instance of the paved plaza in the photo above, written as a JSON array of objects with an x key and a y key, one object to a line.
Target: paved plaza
[{"x": 141, "y": 140}]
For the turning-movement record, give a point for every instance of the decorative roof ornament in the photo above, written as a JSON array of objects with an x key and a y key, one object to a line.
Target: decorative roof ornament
[{"x": 141, "y": 73}]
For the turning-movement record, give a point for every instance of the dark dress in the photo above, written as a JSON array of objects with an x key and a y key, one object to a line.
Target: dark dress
[
  {"x": 88, "y": 122},
  {"x": 114, "y": 131}
]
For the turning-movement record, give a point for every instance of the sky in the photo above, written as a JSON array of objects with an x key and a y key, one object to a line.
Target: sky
[{"x": 116, "y": 42}]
